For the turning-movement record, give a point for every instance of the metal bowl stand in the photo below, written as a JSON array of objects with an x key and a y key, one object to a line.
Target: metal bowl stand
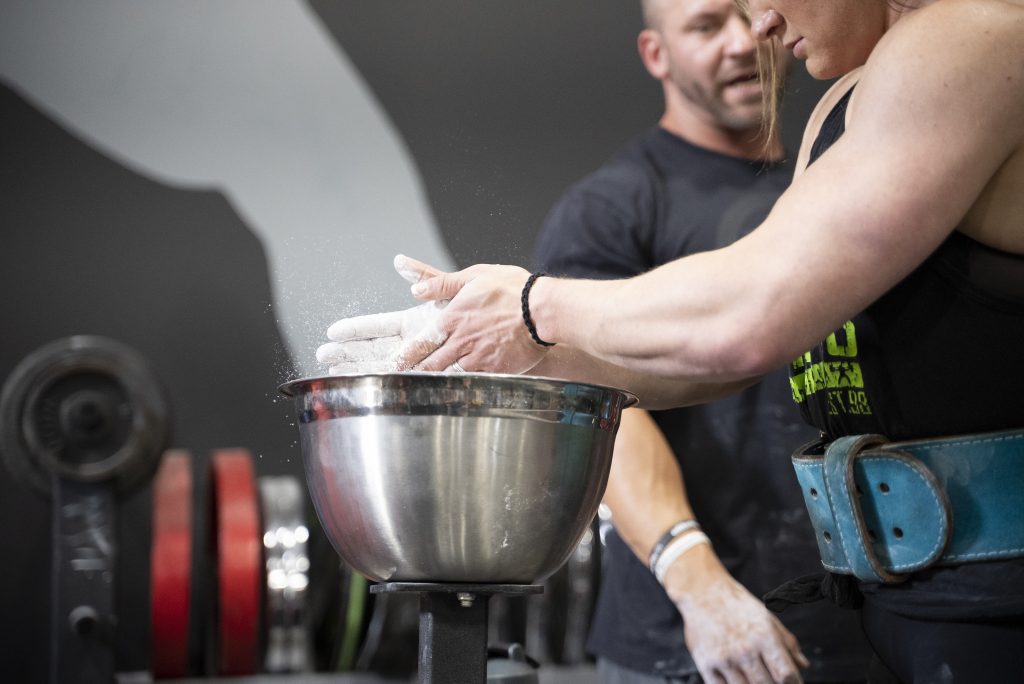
[{"x": 453, "y": 627}]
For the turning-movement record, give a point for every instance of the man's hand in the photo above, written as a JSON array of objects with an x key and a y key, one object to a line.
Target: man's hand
[{"x": 732, "y": 636}]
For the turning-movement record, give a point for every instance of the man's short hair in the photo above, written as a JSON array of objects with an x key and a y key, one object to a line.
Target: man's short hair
[{"x": 652, "y": 13}]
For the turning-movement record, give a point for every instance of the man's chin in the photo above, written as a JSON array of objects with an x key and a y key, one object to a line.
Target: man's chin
[{"x": 741, "y": 119}]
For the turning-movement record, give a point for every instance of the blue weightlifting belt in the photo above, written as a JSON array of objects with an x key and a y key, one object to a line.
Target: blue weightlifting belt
[{"x": 883, "y": 510}]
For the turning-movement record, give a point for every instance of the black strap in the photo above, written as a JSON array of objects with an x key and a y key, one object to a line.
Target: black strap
[
  {"x": 842, "y": 590},
  {"x": 526, "y": 310},
  {"x": 832, "y": 128}
]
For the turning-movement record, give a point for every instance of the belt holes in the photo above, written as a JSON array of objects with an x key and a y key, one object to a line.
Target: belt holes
[
  {"x": 859, "y": 492},
  {"x": 827, "y": 535},
  {"x": 872, "y": 536},
  {"x": 814, "y": 493},
  {"x": 883, "y": 487},
  {"x": 898, "y": 532}
]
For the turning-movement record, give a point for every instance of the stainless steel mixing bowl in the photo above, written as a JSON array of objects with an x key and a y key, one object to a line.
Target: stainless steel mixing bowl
[{"x": 429, "y": 477}]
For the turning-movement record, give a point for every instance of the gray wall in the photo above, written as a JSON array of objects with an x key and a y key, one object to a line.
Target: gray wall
[
  {"x": 215, "y": 182},
  {"x": 253, "y": 100}
]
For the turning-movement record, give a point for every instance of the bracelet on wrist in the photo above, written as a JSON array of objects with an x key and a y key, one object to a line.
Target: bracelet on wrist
[
  {"x": 673, "y": 532},
  {"x": 676, "y": 548},
  {"x": 527, "y": 319}
]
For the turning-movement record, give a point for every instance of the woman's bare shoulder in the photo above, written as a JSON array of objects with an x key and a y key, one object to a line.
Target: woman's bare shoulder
[
  {"x": 950, "y": 25},
  {"x": 956, "y": 49},
  {"x": 947, "y": 9}
]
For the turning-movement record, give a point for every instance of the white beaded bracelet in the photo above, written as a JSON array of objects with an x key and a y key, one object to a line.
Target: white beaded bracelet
[{"x": 676, "y": 548}]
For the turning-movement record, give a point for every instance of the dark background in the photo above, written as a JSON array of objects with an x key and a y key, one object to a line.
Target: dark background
[
  {"x": 505, "y": 104},
  {"x": 501, "y": 104}
]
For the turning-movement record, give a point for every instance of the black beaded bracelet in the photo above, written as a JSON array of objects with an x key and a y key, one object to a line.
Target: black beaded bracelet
[
  {"x": 526, "y": 310},
  {"x": 673, "y": 532}
]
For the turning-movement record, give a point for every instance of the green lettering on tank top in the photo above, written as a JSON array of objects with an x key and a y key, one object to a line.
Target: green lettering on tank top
[
  {"x": 848, "y": 350},
  {"x": 796, "y": 378},
  {"x": 843, "y": 380}
]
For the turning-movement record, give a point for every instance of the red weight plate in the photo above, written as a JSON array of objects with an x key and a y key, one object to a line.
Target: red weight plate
[
  {"x": 239, "y": 561},
  {"x": 171, "y": 564}
]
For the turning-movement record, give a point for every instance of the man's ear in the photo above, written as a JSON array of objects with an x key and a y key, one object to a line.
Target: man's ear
[{"x": 652, "y": 53}]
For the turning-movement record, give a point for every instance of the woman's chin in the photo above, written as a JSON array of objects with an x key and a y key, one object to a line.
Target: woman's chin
[{"x": 822, "y": 69}]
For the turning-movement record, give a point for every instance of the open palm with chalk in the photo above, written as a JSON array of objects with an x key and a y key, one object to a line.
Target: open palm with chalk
[
  {"x": 472, "y": 321},
  {"x": 374, "y": 343}
]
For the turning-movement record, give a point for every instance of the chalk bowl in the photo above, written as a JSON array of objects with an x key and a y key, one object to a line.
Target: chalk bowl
[{"x": 437, "y": 477}]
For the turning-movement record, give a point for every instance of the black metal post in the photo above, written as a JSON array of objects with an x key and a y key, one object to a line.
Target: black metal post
[
  {"x": 453, "y": 638},
  {"x": 453, "y": 627},
  {"x": 84, "y": 556}
]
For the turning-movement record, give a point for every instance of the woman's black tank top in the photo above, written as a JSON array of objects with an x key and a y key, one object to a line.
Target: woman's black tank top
[{"x": 941, "y": 353}]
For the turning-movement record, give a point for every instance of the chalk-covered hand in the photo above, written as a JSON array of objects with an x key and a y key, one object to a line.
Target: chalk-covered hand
[
  {"x": 372, "y": 343},
  {"x": 732, "y": 636},
  {"x": 483, "y": 321}
]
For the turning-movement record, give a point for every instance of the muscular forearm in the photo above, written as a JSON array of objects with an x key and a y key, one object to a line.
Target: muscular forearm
[
  {"x": 653, "y": 391},
  {"x": 647, "y": 495},
  {"x": 684, "y": 320},
  {"x": 645, "y": 488}
]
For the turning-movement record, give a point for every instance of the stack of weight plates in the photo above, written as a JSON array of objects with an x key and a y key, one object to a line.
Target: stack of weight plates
[{"x": 285, "y": 538}]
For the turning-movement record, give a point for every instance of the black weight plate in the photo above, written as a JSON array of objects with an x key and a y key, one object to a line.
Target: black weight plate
[{"x": 85, "y": 408}]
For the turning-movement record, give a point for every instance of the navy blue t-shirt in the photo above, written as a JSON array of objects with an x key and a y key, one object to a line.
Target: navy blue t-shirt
[{"x": 659, "y": 199}]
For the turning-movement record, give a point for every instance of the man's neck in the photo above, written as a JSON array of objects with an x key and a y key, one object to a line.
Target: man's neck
[{"x": 743, "y": 143}]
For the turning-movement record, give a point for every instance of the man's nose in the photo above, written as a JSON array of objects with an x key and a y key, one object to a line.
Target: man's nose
[{"x": 740, "y": 39}]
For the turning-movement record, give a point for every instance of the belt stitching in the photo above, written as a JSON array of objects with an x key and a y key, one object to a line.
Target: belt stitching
[
  {"x": 942, "y": 560},
  {"x": 928, "y": 447},
  {"x": 982, "y": 554}
]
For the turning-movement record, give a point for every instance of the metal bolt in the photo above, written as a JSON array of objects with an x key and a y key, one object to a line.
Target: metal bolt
[
  {"x": 465, "y": 599},
  {"x": 84, "y": 620}
]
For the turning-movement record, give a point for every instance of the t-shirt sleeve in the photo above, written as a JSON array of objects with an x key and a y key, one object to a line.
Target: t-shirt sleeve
[{"x": 598, "y": 228}]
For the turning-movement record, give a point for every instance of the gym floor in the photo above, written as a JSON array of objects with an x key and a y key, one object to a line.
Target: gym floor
[{"x": 549, "y": 674}]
